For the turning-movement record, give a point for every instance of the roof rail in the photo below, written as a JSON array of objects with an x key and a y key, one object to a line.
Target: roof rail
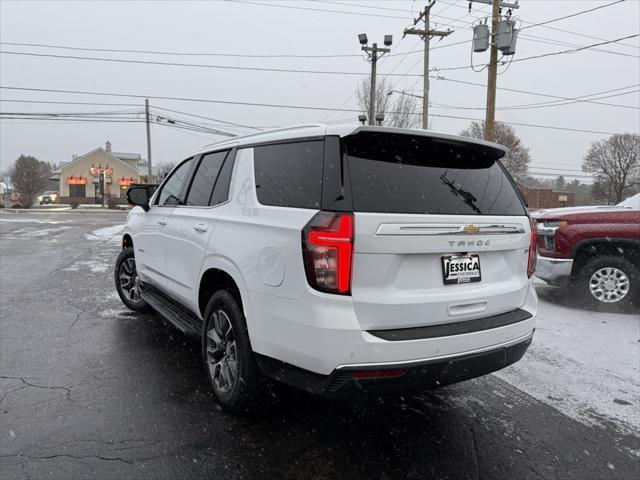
[{"x": 274, "y": 130}]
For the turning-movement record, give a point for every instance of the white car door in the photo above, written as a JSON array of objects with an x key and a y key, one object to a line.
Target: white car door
[
  {"x": 189, "y": 233},
  {"x": 150, "y": 227}
]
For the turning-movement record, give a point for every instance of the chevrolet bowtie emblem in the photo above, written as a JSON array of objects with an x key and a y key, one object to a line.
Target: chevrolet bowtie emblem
[{"x": 470, "y": 229}]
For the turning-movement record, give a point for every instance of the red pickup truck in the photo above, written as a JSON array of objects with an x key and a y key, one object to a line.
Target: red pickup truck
[{"x": 593, "y": 249}]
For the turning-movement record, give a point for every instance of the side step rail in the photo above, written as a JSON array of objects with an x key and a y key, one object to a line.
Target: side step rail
[{"x": 179, "y": 316}]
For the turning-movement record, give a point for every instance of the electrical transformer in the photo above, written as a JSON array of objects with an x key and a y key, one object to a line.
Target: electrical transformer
[
  {"x": 512, "y": 48},
  {"x": 506, "y": 37},
  {"x": 481, "y": 37}
]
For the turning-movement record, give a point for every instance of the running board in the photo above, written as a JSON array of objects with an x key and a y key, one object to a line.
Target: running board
[{"x": 179, "y": 316}]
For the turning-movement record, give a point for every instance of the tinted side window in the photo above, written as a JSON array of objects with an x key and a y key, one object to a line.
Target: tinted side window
[
  {"x": 172, "y": 188},
  {"x": 221, "y": 190},
  {"x": 289, "y": 174},
  {"x": 205, "y": 178},
  {"x": 393, "y": 173}
]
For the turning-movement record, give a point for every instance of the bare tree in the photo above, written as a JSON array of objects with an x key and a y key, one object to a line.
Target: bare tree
[
  {"x": 382, "y": 98},
  {"x": 404, "y": 112},
  {"x": 401, "y": 112},
  {"x": 29, "y": 176},
  {"x": 615, "y": 162},
  {"x": 517, "y": 159},
  {"x": 165, "y": 168}
]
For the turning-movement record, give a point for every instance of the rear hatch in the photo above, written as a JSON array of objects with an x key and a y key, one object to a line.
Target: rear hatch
[{"x": 441, "y": 233}]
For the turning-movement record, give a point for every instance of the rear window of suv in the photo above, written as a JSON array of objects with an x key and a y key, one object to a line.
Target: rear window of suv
[{"x": 397, "y": 173}]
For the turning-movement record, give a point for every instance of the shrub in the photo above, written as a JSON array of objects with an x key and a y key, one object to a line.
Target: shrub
[
  {"x": 74, "y": 202},
  {"x": 1, "y": 205},
  {"x": 16, "y": 205}
]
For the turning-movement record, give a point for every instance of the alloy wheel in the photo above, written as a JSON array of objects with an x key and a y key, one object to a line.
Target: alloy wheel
[
  {"x": 129, "y": 280},
  {"x": 222, "y": 359}
]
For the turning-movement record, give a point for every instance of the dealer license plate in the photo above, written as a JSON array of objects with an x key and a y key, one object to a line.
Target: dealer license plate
[{"x": 461, "y": 269}]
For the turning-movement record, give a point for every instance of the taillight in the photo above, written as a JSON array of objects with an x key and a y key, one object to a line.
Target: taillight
[
  {"x": 327, "y": 248},
  {"x": 531, "y": 266}
]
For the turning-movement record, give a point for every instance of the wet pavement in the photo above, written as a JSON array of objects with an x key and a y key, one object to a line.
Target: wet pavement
[{"x": 91, "y": 390}]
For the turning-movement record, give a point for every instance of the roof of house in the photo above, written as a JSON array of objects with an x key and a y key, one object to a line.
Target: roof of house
[
  {"x": 115, "y": 158},
  {"x": 313, "y": 130},
  {"x": 128, "y": 156}
]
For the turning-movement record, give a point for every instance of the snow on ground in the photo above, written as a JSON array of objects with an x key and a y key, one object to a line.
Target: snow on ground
[
  {"x": 112, "y": 234},
  {"x": 94, "y": 266},
  {"x": 583, "y": 362},
  {"x": 14, "y": 219}
]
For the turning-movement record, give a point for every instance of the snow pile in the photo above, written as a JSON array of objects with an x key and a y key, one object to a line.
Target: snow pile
[
  {"x": 632, "y": 202},
  {"x": 584, "y": 363},
  {"x": 111, "y": 234}
]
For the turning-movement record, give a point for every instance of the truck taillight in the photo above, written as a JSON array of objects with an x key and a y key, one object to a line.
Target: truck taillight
[
  {"x": 533, "y": 244},
  {"x": 327, "y": 249}
]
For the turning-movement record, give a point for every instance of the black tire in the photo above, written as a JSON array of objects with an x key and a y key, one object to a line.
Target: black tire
[
  {"x": 239, "y": 394},
  {"x": 585, "y": 277},
  {"x": 128, "y": 289}
]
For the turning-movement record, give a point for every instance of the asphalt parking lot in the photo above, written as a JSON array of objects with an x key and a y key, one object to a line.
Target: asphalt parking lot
[{"x": 91, "y": 390}]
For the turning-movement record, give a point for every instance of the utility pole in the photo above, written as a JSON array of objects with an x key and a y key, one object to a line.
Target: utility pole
[
  {"x": 492, "y": 70},
  {"x": 426, "y": 35},
  {"x": 373, "y": 52},
  {"x": 490, "y": 119},
  {"x": 148, "y": 118}
]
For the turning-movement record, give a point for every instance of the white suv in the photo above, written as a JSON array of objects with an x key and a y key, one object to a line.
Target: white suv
[{"x": 337, "y": 259}]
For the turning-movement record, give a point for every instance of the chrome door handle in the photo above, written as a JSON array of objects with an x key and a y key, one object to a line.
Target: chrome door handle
[
  {"x": 162, "y": 221},
  {"x": 201, "y": 227}
]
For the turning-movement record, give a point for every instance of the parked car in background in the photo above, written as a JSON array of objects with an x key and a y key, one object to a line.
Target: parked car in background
[
  {"x": 593, "y": 249},
  {"x": 337, "y": 259},
  {"x": 48, "y": 197}
]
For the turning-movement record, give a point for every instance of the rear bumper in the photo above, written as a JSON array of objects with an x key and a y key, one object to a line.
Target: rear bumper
[
  {"x": 321, "y": 333},
  {"x": 410, "y": 376},
  {"x": 555, "y": 271}
]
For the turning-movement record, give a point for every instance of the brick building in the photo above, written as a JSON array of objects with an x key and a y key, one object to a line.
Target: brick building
[{"x": 548, "y": 198}]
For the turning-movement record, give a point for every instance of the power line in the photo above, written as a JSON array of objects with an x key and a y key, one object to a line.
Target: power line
[
  {"x": 294, "y": 107},
  {"x": 213, "y": 54},
  {"x": 549, "y": 54},
  {"x": 284, "y": 70},
  {"x": 554, "y": 103},
  {"x": 311, "y": 9},
  {"x": 577, "y": 49},
  {"x": 537, "y": 39},
  {"x": 193, "y": 54},
  {"x": 69, "y": 103},
  {"x": 572, "y": 15},
  {"x": 176, "y": 64},
  {"x": 546, "y": 22},
  {"x": 514, "y": 90},
  {"x": 206, "y": 118}
]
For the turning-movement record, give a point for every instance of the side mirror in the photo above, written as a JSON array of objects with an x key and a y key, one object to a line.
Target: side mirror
[{"x": 139, "y": 196}]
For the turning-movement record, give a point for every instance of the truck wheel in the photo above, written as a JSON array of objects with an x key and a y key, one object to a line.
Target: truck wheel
[
  {"x": 226, "y": 352},
  {"x": 609, "y": 280},
  {"x": 126, "y": 277}
]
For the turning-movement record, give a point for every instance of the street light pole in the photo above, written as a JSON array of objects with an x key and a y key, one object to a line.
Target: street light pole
[
  {"x": 372, "y": 87},
  {"x": 374, "y": 53}
]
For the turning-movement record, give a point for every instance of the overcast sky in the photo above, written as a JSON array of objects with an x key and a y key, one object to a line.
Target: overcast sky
[{"x": 243, "y": 28}]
